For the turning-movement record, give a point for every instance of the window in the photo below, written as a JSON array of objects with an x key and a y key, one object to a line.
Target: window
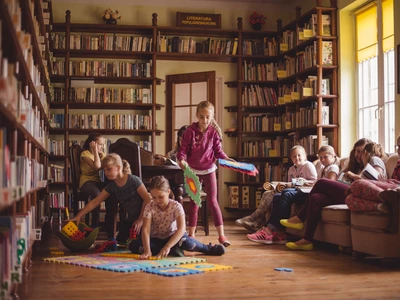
[{"x": 376, "y": 73}]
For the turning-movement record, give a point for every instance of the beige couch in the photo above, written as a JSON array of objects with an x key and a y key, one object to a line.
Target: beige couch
[{"x": 372, "y": 233}]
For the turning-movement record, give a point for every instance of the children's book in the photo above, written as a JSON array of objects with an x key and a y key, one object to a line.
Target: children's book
[
  {"x": 369, "y": 173},
  {"x": 344, "y": 179}
]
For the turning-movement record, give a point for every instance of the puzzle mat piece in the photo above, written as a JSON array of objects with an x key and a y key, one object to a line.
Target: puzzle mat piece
[
  {"x": 173, "y": 271},
  {"x": 120, "y": 264},
  {"x": 128, "y": 255},
  {"x": 206, "y": 267}
]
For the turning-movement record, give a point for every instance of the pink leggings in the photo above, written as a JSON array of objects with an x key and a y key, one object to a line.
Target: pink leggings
[
  {"x": 364, "y": 193},
  {"x": 210, "y": 186}
]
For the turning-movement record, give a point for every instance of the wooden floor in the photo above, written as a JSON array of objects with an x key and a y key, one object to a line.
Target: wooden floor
[{"x": 321, "y": 274}]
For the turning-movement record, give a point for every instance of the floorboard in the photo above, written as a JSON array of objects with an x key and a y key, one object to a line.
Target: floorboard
[{"x": 321, "y": 274}]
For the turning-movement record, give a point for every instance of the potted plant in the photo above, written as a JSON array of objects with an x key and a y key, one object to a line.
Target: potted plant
[
  {"x": 257, "y": 20},
  {"x": 110, "y": 16}
]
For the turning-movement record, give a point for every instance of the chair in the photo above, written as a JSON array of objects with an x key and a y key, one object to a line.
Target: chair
[
  {"x": 74, "y": 158},
  {"x": 129, "y": 151}
]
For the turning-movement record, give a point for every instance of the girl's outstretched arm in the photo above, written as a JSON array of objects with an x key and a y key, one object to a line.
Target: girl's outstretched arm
[
  {"x": 146, "y": 238},
  {"x": 180, "y": 222},
  {"x": 142, "y": 191},
  {"x": 90, "y": 206}
]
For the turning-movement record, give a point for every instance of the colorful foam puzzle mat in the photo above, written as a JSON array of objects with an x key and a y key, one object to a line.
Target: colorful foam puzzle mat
[
  {"x": 121, "y": 264},
  {"x": 189, "y": 269},
  {"x": 241, "y": 167}
]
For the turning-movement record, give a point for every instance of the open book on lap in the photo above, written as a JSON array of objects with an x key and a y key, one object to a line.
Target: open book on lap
[{"x": 369, "y": 172}]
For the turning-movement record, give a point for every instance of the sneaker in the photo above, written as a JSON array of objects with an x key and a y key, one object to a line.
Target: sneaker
[
  {"x": 263, "y": 237},
  {"x": 239, "y": 222},
  {"x": 252, "y": 226},
  {"x": 216, "y": 249},
  {"x": 224, "y": 241}
]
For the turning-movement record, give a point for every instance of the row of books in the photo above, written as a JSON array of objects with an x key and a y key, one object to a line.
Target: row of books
[
  {"x": 103, "y": 42},
  {"x": 256, "y": 71},
  {"x": 103, "y": 68},
  {"x": 303, "y": 88},
  {"x": 58, "y": 200},
  {"x": 15, "y": 237},
  {"x": 256, "y": 95},
  {"x": 277, "y": 147},
  {"x": 105, "y": 95},
  {"x": 190, "y": 45},
  {"x": 110, "y": 121},
  {"x": 310, "y": 143},
  {"x": 56, "y": 173}
]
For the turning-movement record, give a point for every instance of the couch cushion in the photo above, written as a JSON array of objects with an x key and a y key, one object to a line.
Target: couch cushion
[
  {"x": 374, "y": 221},
  {"x": 336, "y": 214}
]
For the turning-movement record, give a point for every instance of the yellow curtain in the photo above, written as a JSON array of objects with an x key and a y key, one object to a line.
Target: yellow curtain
[
  {"x": 367, "y": 33},
  {"x": 388, "y": 25}
]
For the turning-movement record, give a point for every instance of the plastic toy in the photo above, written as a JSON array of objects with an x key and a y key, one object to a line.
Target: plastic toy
[
  {"x": 110, "y": 245},
  {"x": 78, "y": 245},
  {"x": 284, "y": 269},
  {"x": 238, "y": 166},
  {"x": 132, "y": 236},
  {"x": 57, "y": 253},
  {"x": 192, "y": 185}
]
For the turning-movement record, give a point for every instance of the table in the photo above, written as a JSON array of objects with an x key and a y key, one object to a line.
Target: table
[{"x": 173, "y": 173}]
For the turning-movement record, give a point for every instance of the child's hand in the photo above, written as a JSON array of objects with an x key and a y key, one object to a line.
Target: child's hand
[
  {"x": 74, "y": 219},
  {"x": 164, "y": 252},
  {"x": 137, "y": 225},
  {"x": 182, "y": 164},
  {"x": 145, "y": 255}
]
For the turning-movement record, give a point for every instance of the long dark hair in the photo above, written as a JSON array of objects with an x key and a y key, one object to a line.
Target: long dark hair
[
  {"x": 353, "y": 165},
  {"x": 94, "y": 136},
  {"x": 178, "y": 135}
]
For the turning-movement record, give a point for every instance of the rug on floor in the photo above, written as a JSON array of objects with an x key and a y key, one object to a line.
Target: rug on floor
[
  {"x": 188, "y": 269},
  {"x": 121, "y": 264}
]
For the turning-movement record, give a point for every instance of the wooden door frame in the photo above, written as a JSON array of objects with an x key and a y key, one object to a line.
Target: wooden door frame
[{"x": 171, "y": 80}]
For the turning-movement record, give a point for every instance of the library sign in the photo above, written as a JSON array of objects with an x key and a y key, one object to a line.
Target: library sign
[{"x": 195, "y": 20}]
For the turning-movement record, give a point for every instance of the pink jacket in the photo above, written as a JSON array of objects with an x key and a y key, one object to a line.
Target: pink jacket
[{"x": 200, "y": 149}]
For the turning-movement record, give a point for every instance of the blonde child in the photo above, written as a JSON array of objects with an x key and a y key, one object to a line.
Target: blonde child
[
  {"x": 128, "y": 189},
  {"x": 302, "y": 170},
  {"x": 325, "y": 192},
  {"x": 163, "y": 230},
  {"x": 200, "y": 147},
  {"x": 90, "y": 164}
]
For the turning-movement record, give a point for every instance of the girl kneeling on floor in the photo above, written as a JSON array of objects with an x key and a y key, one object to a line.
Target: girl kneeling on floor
[{"x": 163, "y": 230}]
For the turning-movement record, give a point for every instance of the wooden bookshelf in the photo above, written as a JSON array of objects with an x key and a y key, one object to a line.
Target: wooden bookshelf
[
  {"x": 276, "y": 110},
  {"x": 24, "y": 101}
]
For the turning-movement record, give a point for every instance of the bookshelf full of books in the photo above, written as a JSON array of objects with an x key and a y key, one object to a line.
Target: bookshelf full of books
[
  {"x": 286, "y": 95},
  {"x": 24, "y": 126},
  {"x": 104, "y": 80}
]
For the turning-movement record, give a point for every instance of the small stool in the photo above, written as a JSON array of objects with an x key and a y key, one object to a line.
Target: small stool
[{"x": 202, "y": 214}]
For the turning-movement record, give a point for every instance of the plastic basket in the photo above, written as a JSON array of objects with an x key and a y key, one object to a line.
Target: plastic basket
[{"x": 82, "y": 245}]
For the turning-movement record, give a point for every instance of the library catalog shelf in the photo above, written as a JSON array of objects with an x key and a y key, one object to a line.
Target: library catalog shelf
[{"x": 101, "y": 105}]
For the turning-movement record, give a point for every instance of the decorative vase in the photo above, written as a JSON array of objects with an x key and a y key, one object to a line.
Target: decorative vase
[
  {"x": 111, "y": 21},
  {"x": 256, "y": 26}
]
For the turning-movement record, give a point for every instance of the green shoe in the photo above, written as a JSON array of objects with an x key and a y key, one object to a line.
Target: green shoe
[
  {"x": 306, "y": 247},
  {"x": 298, "y": 226}
]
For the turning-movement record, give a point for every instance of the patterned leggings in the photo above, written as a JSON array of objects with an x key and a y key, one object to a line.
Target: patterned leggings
[
  {"x": 364, "y": 193},
  {"x": 210, "y": 187},
  {"x": 263, "y": 211}
]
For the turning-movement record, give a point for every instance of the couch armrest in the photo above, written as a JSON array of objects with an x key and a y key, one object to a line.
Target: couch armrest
[{"x": 392, "y": 197}]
